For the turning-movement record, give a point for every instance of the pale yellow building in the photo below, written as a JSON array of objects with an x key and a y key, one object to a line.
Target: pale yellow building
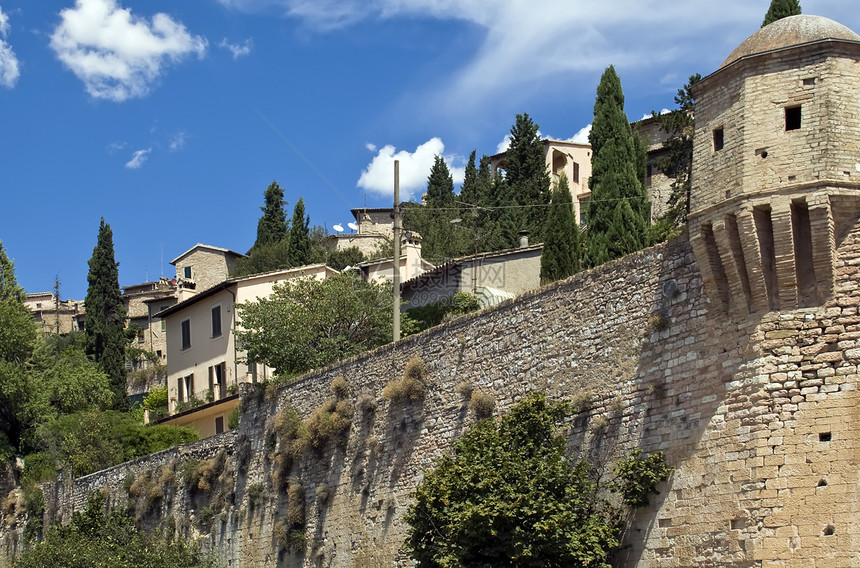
[{"x": 204, "y": 363}]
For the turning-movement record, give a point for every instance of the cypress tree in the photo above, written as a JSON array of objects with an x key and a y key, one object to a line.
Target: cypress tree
[
  {"x": 469, "y": 190},
  {"x": 440, "y": 183},
  {"x": 560, "y": 256},
  {"x": 9, "y": 289},
  {"x": 105, "y": 315},
  {"x": 781, "y": 9},
  {"x": 300, "y": 242},
  {"x": 272, "y": 226},
  {"x": 527, "y": 181},
  {"x": 619, "y": 211}
]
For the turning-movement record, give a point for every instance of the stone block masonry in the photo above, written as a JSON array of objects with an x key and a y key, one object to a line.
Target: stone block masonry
[{"x": 753, "y": 412}]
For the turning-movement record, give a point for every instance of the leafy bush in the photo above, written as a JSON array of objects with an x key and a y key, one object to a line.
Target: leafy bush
[
  {"x": 637, "y": 477},
  {"x": 38, "y": 468},
  {"x": 508, "y": 496},
  {"x": 98, "y": 540},
  {"x": 433, "y": 314},
  {"x": 307, "y": 323},
  {"x": 93, "y": 440},
  {"x": 233, "y": 419},
  {"x": 155, "y": 402}
]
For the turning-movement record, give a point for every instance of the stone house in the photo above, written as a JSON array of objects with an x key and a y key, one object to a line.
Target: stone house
[
  {"x": 203, "y": 266},
  {"x": 374, "y": 230},
  {"x": 52, "y": 316}
]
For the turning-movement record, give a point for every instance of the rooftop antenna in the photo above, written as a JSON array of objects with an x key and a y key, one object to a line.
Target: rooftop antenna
[
  {"x": 338, "y": 228},
  {"x": 352, "y": 226},
  {"x": 162, "y": 260}
]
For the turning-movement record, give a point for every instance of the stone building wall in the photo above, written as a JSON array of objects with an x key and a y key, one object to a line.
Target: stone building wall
[
  {"x": 754, "y": 413},
  {"x": 747, "y": 100}
]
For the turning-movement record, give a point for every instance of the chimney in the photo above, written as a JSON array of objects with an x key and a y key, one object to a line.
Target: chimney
[{"x": 524, "y": 239}]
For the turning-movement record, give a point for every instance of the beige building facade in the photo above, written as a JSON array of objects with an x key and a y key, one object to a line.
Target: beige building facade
[{"x": 204, "y": 364}]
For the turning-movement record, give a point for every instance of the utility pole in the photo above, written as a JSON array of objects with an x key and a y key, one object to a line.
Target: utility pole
[{"x": 396, "y": 261}]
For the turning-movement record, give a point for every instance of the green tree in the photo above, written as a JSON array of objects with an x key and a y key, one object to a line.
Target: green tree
[
  {"x": 508, "y": 496},
  {"x": 442, "y": 240},
  {"x": 9, "y": 289},
  {"x": 781, "y": 9},
  {"x": 619, "y": 210},
  {"x": 17, "y": 343},
  {"x": 307, "y": 323},
  {"x": 561, "y": 248},
  {"x": 340, "y": 259},
  {"x": 299, "y": 249},
  {"x": 677, "y": 162},
  {"x": 525, "y": 193},
  {"x": 97, "y": 539},
  {"x": 105, "y": 315},
  {"x": 470, "y": 191},
  {"x": 92, "y": 440},
  {"x": 272, "y": 226},
  {"x": 264, "y": 258},
  {"x": 440, "y": 183}
]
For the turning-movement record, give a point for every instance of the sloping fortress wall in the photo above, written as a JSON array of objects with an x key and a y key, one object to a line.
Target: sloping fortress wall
[{"x": 754, "y": 414}]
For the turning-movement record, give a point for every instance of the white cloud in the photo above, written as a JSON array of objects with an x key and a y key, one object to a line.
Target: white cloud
[
  {"x": 504, "y": 144},
  {"x": 9, "y": 66},
  {"x": 115, "y": 147},
  {"x": 378, "y": 176},
  {"x": 370, "y": 146},
  {"x": 649, "y": 115},
  {"x": 177, "y": 142},
  {"x": 581, "y": 137},
  {"x": 524, "y": 45},
  {"x": 237, "y": 49},
  {"x": 117, "y": 55},
  {"x": 138, "y": 158}
]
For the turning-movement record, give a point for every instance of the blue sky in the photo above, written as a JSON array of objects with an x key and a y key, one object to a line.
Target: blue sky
[{"x": 169, "y": 119}]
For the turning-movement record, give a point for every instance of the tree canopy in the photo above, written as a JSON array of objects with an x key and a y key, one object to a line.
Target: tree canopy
[
  {"x": 307, "y": 323},
  {"x": 561, "y": 248},
  {"x": 105, "y": 315},
  {"x": 522, "y": 196},
  {"x": 781, "y": 9},
  {"x": 507, "y": 495},
  {"x": 299, "y": 249},
  {"x": 97, "y": 539},
  {"x": 619, "y": 209},
  {"x": 440, "y": 183},
  {"x": 9, "y": 289},
  {"x": 272, "y": 226},
  {"x": 439, "y": 220}
]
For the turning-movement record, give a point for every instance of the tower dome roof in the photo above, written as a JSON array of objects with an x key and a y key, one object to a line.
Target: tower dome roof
[{"x": 786, "y": 32}]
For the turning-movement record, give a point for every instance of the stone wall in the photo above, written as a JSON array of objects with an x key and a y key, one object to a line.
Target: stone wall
[{"x": 753, "y": 413}]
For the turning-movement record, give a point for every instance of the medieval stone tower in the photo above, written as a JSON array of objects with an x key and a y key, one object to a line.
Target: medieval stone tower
[{"x": 777, "y": 165}]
